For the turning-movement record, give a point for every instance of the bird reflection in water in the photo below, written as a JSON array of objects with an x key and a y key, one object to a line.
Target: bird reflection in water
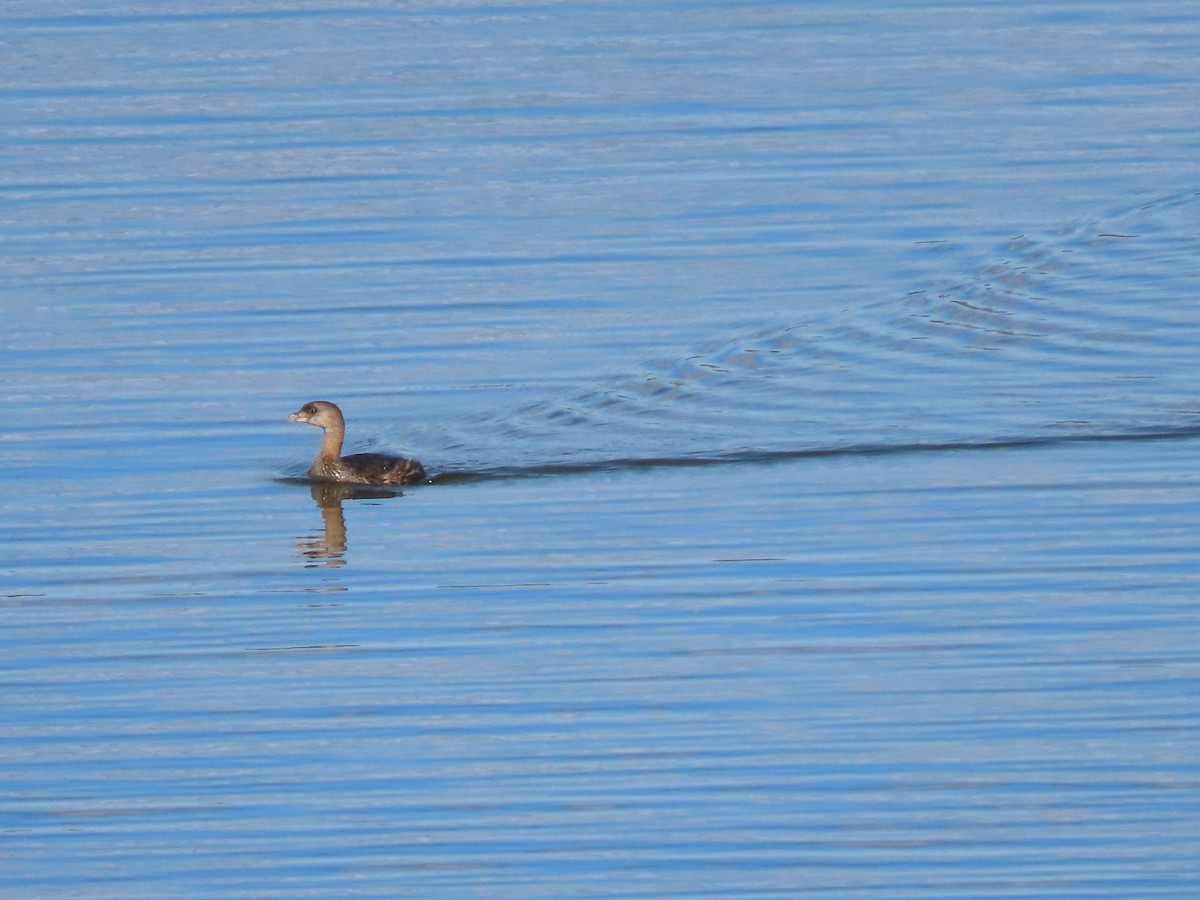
[{"x": 328, "y": 549}]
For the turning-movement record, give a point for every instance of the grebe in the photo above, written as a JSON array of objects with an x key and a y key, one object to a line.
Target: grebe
[{"x": 357, "y": 468}]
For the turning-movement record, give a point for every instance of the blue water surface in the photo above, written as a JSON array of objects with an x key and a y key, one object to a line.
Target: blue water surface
[{"x": 809, "y": 390}]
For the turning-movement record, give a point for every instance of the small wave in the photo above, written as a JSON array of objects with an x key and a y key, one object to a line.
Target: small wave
[{"x": 1089, "y": 333}]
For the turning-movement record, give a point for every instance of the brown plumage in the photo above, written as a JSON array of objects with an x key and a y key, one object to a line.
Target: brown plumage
[{"x": 357, "y": 468}]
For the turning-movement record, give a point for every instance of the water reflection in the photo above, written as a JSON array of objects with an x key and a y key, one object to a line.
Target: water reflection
[{"x": 328, "y": 548}]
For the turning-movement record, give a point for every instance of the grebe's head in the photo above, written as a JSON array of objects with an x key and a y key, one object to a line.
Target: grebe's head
[{"x": 321, "y": 413}]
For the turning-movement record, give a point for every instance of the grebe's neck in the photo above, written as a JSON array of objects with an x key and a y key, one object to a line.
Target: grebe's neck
[{"x": 331, "y": 444}]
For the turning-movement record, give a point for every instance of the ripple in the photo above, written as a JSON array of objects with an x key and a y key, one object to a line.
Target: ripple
[{"x": 1087, "y": 333}]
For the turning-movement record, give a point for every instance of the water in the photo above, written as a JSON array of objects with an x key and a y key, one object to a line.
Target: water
[{"x": 810, "y": 392}]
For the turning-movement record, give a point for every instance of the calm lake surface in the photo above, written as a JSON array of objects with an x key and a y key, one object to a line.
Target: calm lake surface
[{"x": 811, "y": 394}]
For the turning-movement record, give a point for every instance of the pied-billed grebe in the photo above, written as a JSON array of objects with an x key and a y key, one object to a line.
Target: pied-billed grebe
[{"x": 357, "y": 468}]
